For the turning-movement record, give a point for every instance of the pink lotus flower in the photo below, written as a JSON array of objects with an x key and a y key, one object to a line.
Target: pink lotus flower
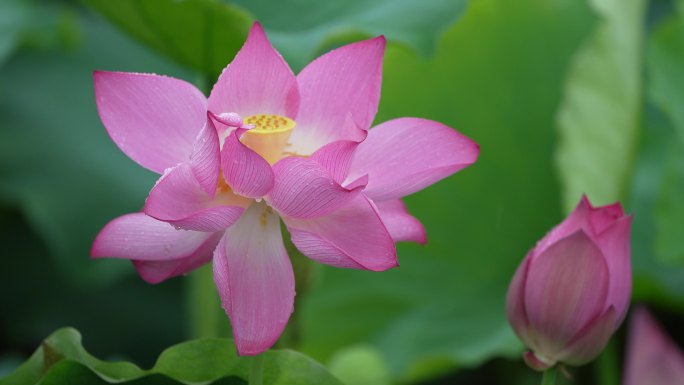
[
  {"x": 652, "y": 357},
  {"x": 265, "y": 146},
  {"x": 572, "y": 290}
]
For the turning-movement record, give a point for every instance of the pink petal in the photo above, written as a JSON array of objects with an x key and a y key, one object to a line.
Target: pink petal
[
  {"x": 205, "y": 159},
  {"x": 405, "y": 155},
  {"x": 578, "y": 219},
  {"x": 255, "y": 280},
  {"x": 228, "y": 119},
  {"x": 305, "y": 142},
  {"x": 178, "y": 198},
  {"x": 615, "y": 245},
  {"x": 653, "y": 358},
  {"x": 138, "y": 236},
  {"x": 593, "y": 220},
  {"x": 400, "y": 224},
  {"x": 603, "y": 217},
  {"x": 257, "y": 81},
  {"x": 247, "y": 173},
  {"x": 345, "y": 80},
  {"x": 609, "y": 228},
  {"x": 336, "y": 158},
  {"x": 351, "y": 237},
  {"x": 566, "y": 287},
  {"x": 158, "y": 271},
  {"x": 590, "y": 341},
  {"x": 359, "y": 183},
  {"x": 535, "y": 362},
  {"x": 162, "y": 250},
  {"x": 153, "y": 119},
  {"x": 304, "y": 189},
  {"x": 515, "y": 305}
]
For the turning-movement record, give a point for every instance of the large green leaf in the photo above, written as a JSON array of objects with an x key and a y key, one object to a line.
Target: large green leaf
[
  {"x": 302, "y": 28},
  {"x": 600, "y": 114},
  {"x": 657, "y": 278},
  {"x": 497, "y": 76},
  {"x": 205, "y": 34},
  {"x": 666, "y": 90},
  {"x": 61, "y": 359},
  {"x": 669, "y": 214},
  {"x": 202, "y": 34},
  {"x": 658, "y": 189},
  {"x": 665, "y": 61}
]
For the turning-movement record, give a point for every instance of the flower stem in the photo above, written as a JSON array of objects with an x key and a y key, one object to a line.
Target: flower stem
[
  {"x": 256, "y": 371},
  {"x": 304, "y": 272},
  {"x": 205, "y": 317},
  {"x": 549, "y": 377},
  {"x": 606, "y": 366}
]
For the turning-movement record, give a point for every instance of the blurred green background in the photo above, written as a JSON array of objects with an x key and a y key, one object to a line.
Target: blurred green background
[{"x": 563, "y": 96}]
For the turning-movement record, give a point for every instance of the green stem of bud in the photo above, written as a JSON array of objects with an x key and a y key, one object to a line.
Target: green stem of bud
[
  {"x": 607, "y": 365},
  {"x": 549, "y": 377}
]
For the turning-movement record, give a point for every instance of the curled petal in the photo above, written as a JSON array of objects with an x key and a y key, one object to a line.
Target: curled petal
[
  {"x": 228, "y": 119},
  {"x": 153, "y": 119},
  {"x": 405, "y": 155},
  {"x": 400, "y": 224},
  {"x": 336, "y": 157},
  {"x": 351, "y": 237},
  {"x": 158, "y": 250},
  {"x": 566, "y": 287},
  {"x": 205, "y": 159},
  {"x": 178, "y": 198},
  {"x": 255, "y": 280},
  {"x": 247, "y": 173},
  {"x": 344, "y": 81},
  {"x": 304, "y": 189},
  {"x": 257, "y": 81}
]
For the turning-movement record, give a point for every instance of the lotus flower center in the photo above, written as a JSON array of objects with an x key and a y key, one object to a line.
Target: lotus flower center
[
  {"x": 269, "y": 136},
  {"x": 269, "y": 124}
]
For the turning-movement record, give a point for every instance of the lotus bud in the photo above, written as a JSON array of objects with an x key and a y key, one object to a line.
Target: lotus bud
[{"x": 572, "y": 291}]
